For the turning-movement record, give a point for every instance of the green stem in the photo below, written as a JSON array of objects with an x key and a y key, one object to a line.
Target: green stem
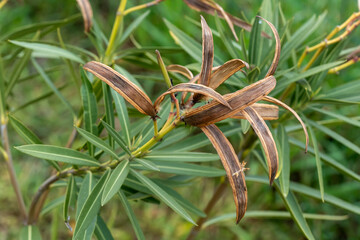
[{"x": 115, "y": 29}]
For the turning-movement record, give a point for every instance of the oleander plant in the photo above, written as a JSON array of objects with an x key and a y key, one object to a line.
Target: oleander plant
[{"x": 179, "y": 119}]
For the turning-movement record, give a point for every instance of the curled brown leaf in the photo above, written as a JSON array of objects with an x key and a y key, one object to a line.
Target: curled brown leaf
[
  {"x": 207, "y": 53},
  {"x": 214, "y": 112},
  {"x": 87, "y": 13},
  {"x": 234, "y": 170},
  {"x": 266, "y": 111},
  {"x": 194, "y": 88},
  {"x": 180, "y": 69},
  {"x": 266, "y": 139},
  {"x": 132, "y": 93}
]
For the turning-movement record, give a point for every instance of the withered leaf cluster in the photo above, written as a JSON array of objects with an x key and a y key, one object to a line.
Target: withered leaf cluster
[{"x": 240, "y": 104}]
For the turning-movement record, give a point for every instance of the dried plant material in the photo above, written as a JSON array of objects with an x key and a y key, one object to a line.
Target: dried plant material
[
  {"x": 214, "y": 112},
  {"x": 234, "y": 169},
  {"x": 276, "y": 59},
  {"x": 281, "y": 104},
  {"x": 194, "y": 88},
  {"x": 227, "y": 19},
  {"x": 87, "y": 13},
  {"x": 180, "y": 69},
  {"x": 266, "y": 139},
  {"x": 266, "y": 111},
  {"x": 207, "y": 53},
  {"x": 222, "y": 73},
  {"x": 132, "y": 93}
]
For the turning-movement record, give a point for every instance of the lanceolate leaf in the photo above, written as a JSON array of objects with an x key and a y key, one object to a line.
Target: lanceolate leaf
[
  {"x": 87, "y": 13},
  {"x": 70, "y": 194},
  {"x": 165, "y": 197},
  {"x": 133, "y": 94},
  {"x": 266, "y": 111},
  {"x": 91, "y": 206},
  {"x": 58, "y": 154},
  {"x": 112, "y": 132},
  {"x": 214, "y": 111},
  {"x": 23, "y": 131},
  {"x": 195, "y": 88},
  {"x": 281, "y": 104},
  {"x": 123, "y": 116},
  {"x": 284, "y": 155},
  {"x": 225, "y": 71},
  {"x": 207, "y": 53},
  {"x": 115, "y": 181},
  {"x": 102, "y": 232},
  {"x": 266, "y": 139},
  {"x": 234, "y": 170},
  {"x": 30, "y": 232},
  {"x": 180, "y": 69}
]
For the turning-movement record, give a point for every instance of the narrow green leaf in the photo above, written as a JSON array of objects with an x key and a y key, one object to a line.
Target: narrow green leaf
[
  {"x": 115, "y": 181},
  {"x": 181, "y": 156},
  {"x": 328, "y": 160},
  {"x": 28, "y": 136},
  {"x": 317, "y": 158},
  {"x": 132, "y": 26},
  {"x": 52, "y": 86},
  {"x": 337, "y": 116},
  {"x": 284, "y": 158},
  {"x": 147, "y": 164},
  {"x": 58, "y": 154},
  {"x": 122, "y": 115},
  {"x": 272, "y": 214},
  {"x": 255, "y": 42},
  {"x": 102, "y": 232},
  {"x": 165, "y": 197},
  {"x": 225, "y": 37},
  {"x": 98, "y": 142},
  {"x": 245, "y": 125},
  {"x": 30, "y": 232},
  {"x": 336, "y": 136},
  {"x": 131, "y": 215},
  {"x": 109, "y": 110},
  {"x": 69, "y": 198},
  {"x": 90, "y": 108},
  {"x": 52, "y": 205},
  {"x": 185, "y": 169},
  {"x": 91, "y": 206},
  {"x": 48, "y": 50},
  {"x": 117, "y": 137}
]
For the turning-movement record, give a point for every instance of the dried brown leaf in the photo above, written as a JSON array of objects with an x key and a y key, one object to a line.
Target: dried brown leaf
[
  {"x": 281, "y": 104},
  {"x": 194, "y": 88},
  {"x": 214, "y": 112},
  {"x": 222, "y": 73},
  {"x": 266, "y": 111},
  {"x": 234, "y": 170},
  {"x": 227, "y": 19},
  {"x": 132, "y": 93},
  {"x": 275, "y": 61},
  {"x": 180, "y": 69},
  {"x": 207, "y": 53},
  {"x": 87, "y": 13},
  {"x": 266, "y": 139}
]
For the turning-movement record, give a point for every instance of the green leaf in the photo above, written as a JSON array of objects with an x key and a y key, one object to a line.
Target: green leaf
[
  {"x": 30, "y": 232},
  {"x": 147, "y": 164},
  {"x": 23, "y": 131},
  {"x": 52, "y": 86},
  {"x": 91, "y": 206},
  {"x": 122, "y": 115},
  {"x": 226, "y": 38},
  {"x": 317, "y": 158},
  {"x": 115, "y": 181},
  {"x": 181, "y": 156},
  {"x": 165, "y": 197},
  {"x": 102, "y": 232},
  {"x": 98, "y": 142},
  {"x": 338, "y": 116},
  {"x": 48, "y": 50},
  {"x": 58, "y": 154},
  {"x": 293, "y": 77},
  {"x": 284, "y": 157},
  {"x": 336, "y": 136},
  {"x": 273, "y": 215},
  {"x": 132, "y": 26},
  {"x": 69, "y": 198},
  {"x": 185, "y": 169},
  {"x": 131, "y": 215},
  {"x": 109, "y": 109},
  {"x": 52, "y": 205},
  {"x": 90, "y": 108},
  {"x": 328, "y": 160},
  {"x": 255, "y": 44},
  {"x": 112, "y": 132},
  {"x": 87, "y": 186},
  {"x": 245, "y": 125}
]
